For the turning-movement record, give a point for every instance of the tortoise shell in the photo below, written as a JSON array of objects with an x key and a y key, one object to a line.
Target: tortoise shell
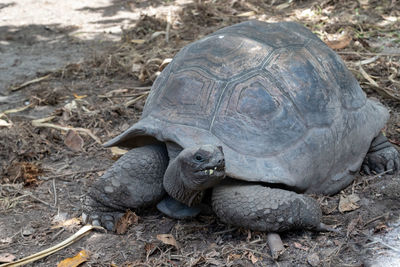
[{"x": 281, "y": 103}]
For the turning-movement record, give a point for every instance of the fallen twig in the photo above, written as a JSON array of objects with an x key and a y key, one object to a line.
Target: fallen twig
[
  {"x": 14, "y": 110},
  {"x": 366, "y": 76},
  {"x": 37, "y": 199},
  {"x": 141, "y": 88},
  {"x": 75, "y": 237},
  {"x": 372, "y": 177},
  {"x": 369, "y": 60},
  {"x": 275, "y": 244},
  {"x": 393, "y": 75},
  {"x": 375, "y": 240},
  {"x": 376, "y": 218},
  {"x": 130, "y": 102},
  {"x": 16, "y": 88},
  {"x": 55, "y": 193},
  {"x": 368, "y": 54},
  {"x": 382, "y": 91},
  {"x": 70, "y": 173},
  {"x": 225, "y": 231},
  {"x": 120, "y": 96},
  {"x": 168, "y": 26},
  {"x": 43, "y": 123}
]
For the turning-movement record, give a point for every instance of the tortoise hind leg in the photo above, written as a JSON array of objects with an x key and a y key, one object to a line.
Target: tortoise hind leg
[
  {"x": 134, "y": 181},
  {"x": 382, "y": 156},
  {"x": 265, "y": 209}
]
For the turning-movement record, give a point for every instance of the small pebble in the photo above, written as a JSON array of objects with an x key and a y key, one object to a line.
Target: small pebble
[
  {"x": 313, "y": 259},
  {"x": 28, "y": 230}
]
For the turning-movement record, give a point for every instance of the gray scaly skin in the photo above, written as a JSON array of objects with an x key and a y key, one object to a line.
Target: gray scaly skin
[
  {"x": 139, "y": 178},
  {"x": 261, "y": 208},
  {"x": 193, "y": 171},
  {"x": 134, "y": 181},
  {"x": 381, "y": 157}
]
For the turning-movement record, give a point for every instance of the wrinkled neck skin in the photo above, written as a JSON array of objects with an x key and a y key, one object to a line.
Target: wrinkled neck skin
[{"x": 173, "y": 184}]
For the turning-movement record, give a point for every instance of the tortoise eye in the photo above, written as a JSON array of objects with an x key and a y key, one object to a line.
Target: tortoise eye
[{"x": 199, "y": 158}]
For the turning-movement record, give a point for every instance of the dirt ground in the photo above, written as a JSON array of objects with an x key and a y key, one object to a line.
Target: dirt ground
[{"x": 89, "y": 65}]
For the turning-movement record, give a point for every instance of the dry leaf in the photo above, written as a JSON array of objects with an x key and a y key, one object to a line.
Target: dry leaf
[
  {"x": 25, "y": 172},
  {"x": 6, "y": 257},
  {"x": 168, "y": 239},
  {"x": 4, "y": 123},
  {"x": 252, "y": 258},
  {"x": 233, "y": 257},
  {"x": 79, "y": 96},
  {"x": 73, "y": 141},
  {"x": 353, "y": 226},
  {"x": 164, "y": 64},
  {"x": 380, "y": 227},
  {"x": 116, "y": 151},
  {"x": 67, "y": 223},
  {"x": 300, "y": 246},
  {"x": 122, "y": 225},
  {"x": 348, "y": 203},
  {"x": 150, "y": 248},
  {"x": 81, "y": 257},
  {"x": 340, "y": 43},
  {"x": 59, "y": 217}
]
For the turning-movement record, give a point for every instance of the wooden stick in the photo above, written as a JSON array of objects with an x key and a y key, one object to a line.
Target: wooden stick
[
  {"x": 368, "y": 54},
  {"x": 168, "y": 26},
  {"x": 275, "y": 245},
  {"x": 130, "y": 102},
  {"x": 16, "y": 88},
  {"x": 382, "y": 91},
  {"x": 43, "y": 123},
  {"x": 14, "y": 110},
  {"x": 75, "y": 237}
]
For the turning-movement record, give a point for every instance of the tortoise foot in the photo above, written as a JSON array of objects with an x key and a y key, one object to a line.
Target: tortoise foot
[
  {"x": 176, "y": 209},
  {"x": 382, "y": 157},
  {"x": 97, "y": 214},
  {"x": 133, "y": 182}
]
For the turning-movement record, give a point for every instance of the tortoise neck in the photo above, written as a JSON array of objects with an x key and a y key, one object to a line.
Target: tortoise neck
[{"x": 173, "y": 184}]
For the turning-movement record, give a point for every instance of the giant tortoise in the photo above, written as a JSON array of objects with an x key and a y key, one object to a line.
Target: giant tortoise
[{"x": 260, "y": 115}]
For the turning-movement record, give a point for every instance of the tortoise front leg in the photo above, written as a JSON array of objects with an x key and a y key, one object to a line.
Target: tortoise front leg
[
  {"x": 260, "y": 208},
  {"x": 382, "y": 156},
  {"x": 134, "y": 181}
]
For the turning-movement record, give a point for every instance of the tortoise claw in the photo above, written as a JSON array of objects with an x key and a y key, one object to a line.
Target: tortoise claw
[{"x": 383, "y": 160}]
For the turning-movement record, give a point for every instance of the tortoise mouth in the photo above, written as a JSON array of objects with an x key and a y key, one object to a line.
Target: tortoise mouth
[{"x": 213, "y": 171}]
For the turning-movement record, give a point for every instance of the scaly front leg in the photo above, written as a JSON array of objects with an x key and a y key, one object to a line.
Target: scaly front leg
[{"x": 134, "y": 181}]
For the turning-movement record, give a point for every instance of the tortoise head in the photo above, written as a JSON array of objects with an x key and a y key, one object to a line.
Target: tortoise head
[
  {"x": 194, "y": 170},
  {"x": 202, "y": 167}
]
